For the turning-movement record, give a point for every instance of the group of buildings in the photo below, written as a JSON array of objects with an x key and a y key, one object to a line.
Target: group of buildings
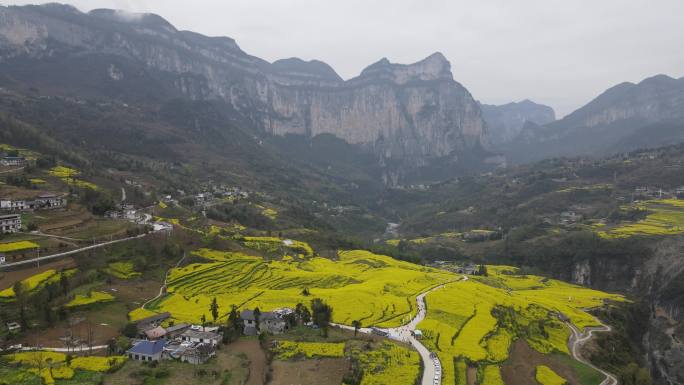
[
  {"x": 12, "y": 161},
  {"x": 10, "y": 209},
  {"x": 196, "y": 344}
]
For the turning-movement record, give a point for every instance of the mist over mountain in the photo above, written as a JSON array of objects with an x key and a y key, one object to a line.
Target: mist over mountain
[
  {"x": 623, "y": 118},
  {"x": 505, "y": 122}
]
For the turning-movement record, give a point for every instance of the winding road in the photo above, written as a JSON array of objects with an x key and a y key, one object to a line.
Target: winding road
[
  {"x": 577, "y": 339},
  {"x": 432, "y": 373}
]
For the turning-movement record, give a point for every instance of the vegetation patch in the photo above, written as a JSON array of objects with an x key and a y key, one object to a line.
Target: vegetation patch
[
  {"x": 17, "y": 246},
  {"x": 92, "y": 298},
  {"x": 122, "y": 270},
  {"x": 388, "y": 363},
  {"x": 287, "y": 350},
  {"x": 546, "y": 376}
]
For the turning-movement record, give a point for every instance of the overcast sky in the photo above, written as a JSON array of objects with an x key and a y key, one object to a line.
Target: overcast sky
[{"x": 557, "y": 52}]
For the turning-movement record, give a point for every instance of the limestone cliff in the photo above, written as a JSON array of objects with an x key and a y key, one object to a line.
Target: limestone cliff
[{"x": 412, "y": 113}]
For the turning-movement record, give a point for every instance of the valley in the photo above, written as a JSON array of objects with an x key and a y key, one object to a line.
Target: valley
[{"x": 174, "y": 210}]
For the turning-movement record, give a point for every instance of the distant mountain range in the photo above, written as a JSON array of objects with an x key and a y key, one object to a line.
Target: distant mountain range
[
  {"x": 402, "y": 123},
  {"x": 623, "y": 118},
  {"x": 407, "y": 116},
  {"x": 505, "y": 122}
]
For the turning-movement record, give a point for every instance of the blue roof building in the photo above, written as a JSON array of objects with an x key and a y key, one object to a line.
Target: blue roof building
[{"x": 147, "y": 350}]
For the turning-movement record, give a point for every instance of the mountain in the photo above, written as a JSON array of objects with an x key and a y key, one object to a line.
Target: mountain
[
  {"x": 504, "y": 122},
  {"x": 407, "y": 116},
  {"x": 623, "y": 118}
]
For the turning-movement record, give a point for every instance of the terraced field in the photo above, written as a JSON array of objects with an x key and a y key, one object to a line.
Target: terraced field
[
  {"x": 476, "y": 320},
  {"x": 360, "y": 285},
  {"x": 469, "y": 321},
  {"x": 664, "y": 217}
]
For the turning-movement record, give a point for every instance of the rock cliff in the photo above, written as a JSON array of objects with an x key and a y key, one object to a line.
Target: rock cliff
[{"x": 411, "y": 113}]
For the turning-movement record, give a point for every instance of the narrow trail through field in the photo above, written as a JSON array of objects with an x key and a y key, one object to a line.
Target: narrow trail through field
[
  {"x": 577, "y": 339},
  {"x": 162, "y": 289}
]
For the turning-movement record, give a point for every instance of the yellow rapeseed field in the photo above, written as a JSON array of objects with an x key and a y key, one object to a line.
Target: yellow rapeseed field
[
  {"x": 477, "y": 319},
  {"x": 378, "y": 290},
  {"x": 17, "y": 246},
  {"x": 546, "y": 376}
]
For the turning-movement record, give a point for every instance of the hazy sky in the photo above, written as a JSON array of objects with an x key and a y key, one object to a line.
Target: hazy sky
[{"x": 558, "y": 52}]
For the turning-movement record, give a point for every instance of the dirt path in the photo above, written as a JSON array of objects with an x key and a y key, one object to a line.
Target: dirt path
[
  {"x": 577, "y": 339},
  {"x": 256, "y": 357},
  {"x": 162, "y": 289}
]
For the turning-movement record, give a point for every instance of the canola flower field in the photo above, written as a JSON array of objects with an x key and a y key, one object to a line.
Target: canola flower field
[
  {"x": 51, "y": 366},
  {"x": 69, "y": 176},
  {"x": 546, "y": 376},
  {"x": 289, "y": 349},
  {"x": 477, "y": 319},
  {"x": 469, "y": 321},
  {"x": 665, "y": 217},
  {"x": 388, "y": 363},
  {"x": 90, "y": 299},
  {"x": 36, "y": 281},
  {"x": 377, "y": 290},
  {"x": 122, "y": 270},
  {"x": 17, "y": 246}
]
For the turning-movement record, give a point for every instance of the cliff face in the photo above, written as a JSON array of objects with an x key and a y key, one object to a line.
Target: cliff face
[
  {"x": 505, "y": 122},
  {"x": 412, "y": 113}
]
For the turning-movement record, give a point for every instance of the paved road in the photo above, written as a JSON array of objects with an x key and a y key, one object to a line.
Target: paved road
[
  {"x": 577, "y": 339},
  {"x": 403, "y": 334},
  {"x": 82, "y": 348},
  {"x": 64, "y": 254}
]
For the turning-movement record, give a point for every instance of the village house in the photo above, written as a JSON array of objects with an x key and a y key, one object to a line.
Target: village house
[
  {"x": 150, "y": 322},
  {"x": 10, "y": 223},
  {"x": 156, "y": 333},
  {"x": 198, "y": 354},
  {"x": 201, "y": 336},
  {"x": 13, "y": 327},
  {"x": 147, "y": 350},
  {"x": 270, "y": 322},
  {"x": 176, "y": 331},
  {"x": 468, "y": 268},
  {"x": 50, "y": 201},
  {"x": 42, "y": 202},
  {"x": 18, "y": 161}
]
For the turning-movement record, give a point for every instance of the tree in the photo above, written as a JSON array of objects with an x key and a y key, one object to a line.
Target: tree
[
  {"x": 257, "y": 315},
  {"x": 234, "y": 318},
  {"x": 214, "y": 308},
  {"x": 130, "y": 330},
  {"x": 322, "y": 314},
  {"x": 483, "y": 270},
  {"x": 305, "y": 292},
  {"x": 306, "y": 315},
  {"x": 64, "y": 282},
  {"x": 203, "y": 318},
  {"x": 20, "y": 295},
  {"x": 357, "y": 325}
]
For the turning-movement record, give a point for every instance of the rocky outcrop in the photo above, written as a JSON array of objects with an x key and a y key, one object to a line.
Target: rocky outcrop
[
  {"x": 410, "y": 113},
  {"x": 504, "y": 122}
]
